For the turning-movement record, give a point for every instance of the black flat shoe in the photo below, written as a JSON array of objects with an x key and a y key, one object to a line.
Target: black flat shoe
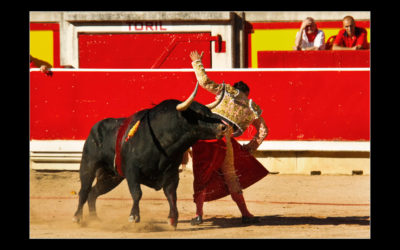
[
  {"x": 250, "y": 220},
  {"x": 196, "y": 221}
]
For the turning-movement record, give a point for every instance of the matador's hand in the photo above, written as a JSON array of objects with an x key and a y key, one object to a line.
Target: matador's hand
[{"x": 195, "y": 56}]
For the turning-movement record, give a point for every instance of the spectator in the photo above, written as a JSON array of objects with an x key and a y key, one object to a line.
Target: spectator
[
  {"x": 309, "y": 37},
  {"x": 350, "y": 37},
  {"x": 44, "y": 66}
]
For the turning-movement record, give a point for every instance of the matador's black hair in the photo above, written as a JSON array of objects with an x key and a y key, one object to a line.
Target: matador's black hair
[{"x": 241, "y": 86}]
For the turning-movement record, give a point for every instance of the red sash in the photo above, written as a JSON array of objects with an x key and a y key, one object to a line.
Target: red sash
[{"x": 118, "y": 144}]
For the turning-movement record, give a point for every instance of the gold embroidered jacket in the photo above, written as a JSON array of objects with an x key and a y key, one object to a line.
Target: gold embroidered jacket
[{"x": 235, "y": 107}]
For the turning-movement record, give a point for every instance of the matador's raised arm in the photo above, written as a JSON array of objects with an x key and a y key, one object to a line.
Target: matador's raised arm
[{"x": 202, "y": 77}]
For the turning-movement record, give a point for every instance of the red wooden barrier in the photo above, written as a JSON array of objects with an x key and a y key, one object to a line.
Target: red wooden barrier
[
  {"x": 297, "y": 105},
  {"x": 141, "y": 50},
  {"x": 310, "y": 59}
]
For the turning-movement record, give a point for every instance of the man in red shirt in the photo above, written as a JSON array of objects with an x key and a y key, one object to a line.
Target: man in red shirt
[{"x": 350, "y": 37}]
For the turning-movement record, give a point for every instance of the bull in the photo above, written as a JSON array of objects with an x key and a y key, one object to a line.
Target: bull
[{"x": 145, "y": 148}]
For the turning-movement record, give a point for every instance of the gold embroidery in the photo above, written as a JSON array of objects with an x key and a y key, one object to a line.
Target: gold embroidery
[{"x": 234, "y": 106}]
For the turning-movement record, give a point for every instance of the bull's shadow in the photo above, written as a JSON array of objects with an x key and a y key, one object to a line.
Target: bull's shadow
[{"x": 276, "y": 220}]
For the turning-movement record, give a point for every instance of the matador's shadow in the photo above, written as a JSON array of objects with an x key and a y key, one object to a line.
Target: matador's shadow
[{"x": 277, "y": 220}]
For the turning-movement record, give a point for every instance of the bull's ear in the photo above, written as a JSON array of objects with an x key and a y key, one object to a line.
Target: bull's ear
[{"x": 184, "y": 105}]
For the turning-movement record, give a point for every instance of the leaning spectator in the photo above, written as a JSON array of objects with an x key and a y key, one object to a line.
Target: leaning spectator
[
  {"x": 350, "y": 37},
  {"x": 309, "y": 37},
  {"x": 44, "y": 66}
]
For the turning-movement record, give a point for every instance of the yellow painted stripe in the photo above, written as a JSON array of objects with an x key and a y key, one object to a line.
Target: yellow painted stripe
[{"x": 41, "y": 45}]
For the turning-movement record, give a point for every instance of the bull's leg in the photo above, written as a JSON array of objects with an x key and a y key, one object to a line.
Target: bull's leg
[
  {"x": 106, "y": 181},
  {"x": 170, "y": 193},
  {"x": 136, "y": 193},
  {"x": 87, "y": 175}
]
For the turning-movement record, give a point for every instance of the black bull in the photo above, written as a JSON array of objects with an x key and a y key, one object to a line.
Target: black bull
[{"x": 150, "y": 157}]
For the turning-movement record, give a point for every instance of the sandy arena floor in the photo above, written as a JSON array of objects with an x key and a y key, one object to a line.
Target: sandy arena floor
[{"x": 289, "y": 206}]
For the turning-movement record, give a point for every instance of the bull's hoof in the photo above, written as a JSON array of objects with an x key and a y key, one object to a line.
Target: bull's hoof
[
  {"x": 196, "y": 221},
  {"x": 134, "y": 218},
  {"x": 77, "y": 219}
]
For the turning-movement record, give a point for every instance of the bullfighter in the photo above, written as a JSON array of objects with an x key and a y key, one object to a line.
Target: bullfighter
[{"x": 222, "y": 167}]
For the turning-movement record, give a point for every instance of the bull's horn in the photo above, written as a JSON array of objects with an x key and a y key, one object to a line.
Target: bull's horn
[
  {"x": 216, "y": 102},
  {"x": 184, "y": 105}
]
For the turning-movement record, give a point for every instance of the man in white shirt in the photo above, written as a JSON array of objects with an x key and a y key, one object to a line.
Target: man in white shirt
[{"x": 309, "y": 37}]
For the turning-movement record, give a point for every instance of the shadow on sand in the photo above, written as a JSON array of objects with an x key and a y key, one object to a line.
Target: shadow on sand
[{"x": 276, "y": 220}]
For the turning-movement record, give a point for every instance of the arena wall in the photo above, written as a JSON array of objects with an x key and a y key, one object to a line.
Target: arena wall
[
  {"x": 244, "y": 33},
  {"x": 306, "y": 109},
  {"x": 316, "y": 104}
]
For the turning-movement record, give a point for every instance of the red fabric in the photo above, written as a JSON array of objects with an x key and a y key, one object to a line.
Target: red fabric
[
  {"x": 118, "y": 144},
  {"x": 312, "y": 36},
  {"x": 239, "y": 199},
  {"x": 208, "y": 157},
  {"x": 359, "y": 38}
]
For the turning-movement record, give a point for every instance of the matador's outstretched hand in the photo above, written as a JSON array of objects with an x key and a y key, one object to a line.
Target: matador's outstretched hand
[{"x": 194, "y": 55}]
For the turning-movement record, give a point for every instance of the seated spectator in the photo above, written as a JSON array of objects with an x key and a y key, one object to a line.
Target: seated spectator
[
  {"x": 350, "y": 37},
  {"x": 309, "y": 37}
]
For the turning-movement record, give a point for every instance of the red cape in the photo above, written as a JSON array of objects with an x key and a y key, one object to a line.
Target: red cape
[{"x": 207, "y": 160}]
